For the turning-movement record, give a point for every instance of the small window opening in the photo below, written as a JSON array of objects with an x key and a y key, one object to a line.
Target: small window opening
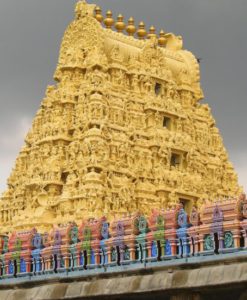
[
  {"x": 187, "y": 205},
  {"x": 216, "y": 243},
  {"x": 102, "y": 257},
  {"x": 85, "y": 259},
  {"x": 1, "y": 268},
  {"x": 64, "y": 176},
  {"x": 42, "y": 264},
  {"x": 157, "y": 89},
  {"x": 72, "y": 262},
  {"x": 141, "y": 253},
  {"x": 242, "y": 241},
  {"x": 15, "y": 268},
  {"x": 193, "y": 246},
  {"x": 55, "y": 263},
  {"x": 181, "y": 248},
  {"x": 159, "y": 251},
  {"x": 175, "y": 160},
  {"x": 118, "y": 255},
  {"x": 167, "y": 123},
  {"x": 32, "y": 266}
]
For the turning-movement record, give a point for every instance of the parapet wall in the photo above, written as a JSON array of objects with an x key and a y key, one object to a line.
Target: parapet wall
[{"x": 166, "y": 235}]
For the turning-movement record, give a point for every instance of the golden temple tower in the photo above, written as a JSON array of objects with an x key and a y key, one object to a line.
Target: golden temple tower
[{"x": 122, "y": 131}]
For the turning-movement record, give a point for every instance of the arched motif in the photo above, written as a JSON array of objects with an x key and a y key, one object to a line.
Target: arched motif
[
  {"x": 80, "y": 38},
  {"x": 217, "y": 214}
]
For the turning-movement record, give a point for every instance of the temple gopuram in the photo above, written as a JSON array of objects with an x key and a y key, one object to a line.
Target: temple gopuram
[
  {"x": 122, "y": 131},
  {"x": 123, "y": 188}
]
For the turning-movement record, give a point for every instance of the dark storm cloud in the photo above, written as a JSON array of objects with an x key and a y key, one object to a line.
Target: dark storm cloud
[{"x": 215, "y": 30}]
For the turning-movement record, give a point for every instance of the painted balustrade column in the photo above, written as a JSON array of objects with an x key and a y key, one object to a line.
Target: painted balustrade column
[
  {"x": 43, "y": 266},
  {"x": 71, "y": 261},
  {"x": 78, "y": 258},
  {"x": 39, "y": 265},
  {"x": 132, "y": 250},
  {"x": 97, "y": 256},
  {"x": 46, "y": 264},
  {"x": 236, "y": 238},
  {"x": 89, "y": 257},
  {"x": 191, "y": 245},
  {"x": 139, "y": 249},
  {"x": 108, "y": 253},
  {"x": 18, "y": 264},
  {"x": 33, "y": 265},
  {"x": 162, "y": 245},
  {"x": 186, "y": 249},
  {"x": 28, "y": 265},
  {"x": 3, "y": 269},
  {"x": 221, "y": 241},
  {"x": 58, "y": 262},
  {"x": 144, "y": 251},
  {"x": 173, "y": 243},
  {"x": 245, "y": 237},
  {"x": 121, "y": 249},
  {"x": 49, "y": 263},
  {"x": 201, "y": 242},
  {"x": 67, "y": 258},
  {"x": 6, "y": 268},
  {"x": 149, "y": 249},
  {"x": 75, "y": 259},
  {"x": 36, "y": 265},
  {"x": 197, "y": 245}
]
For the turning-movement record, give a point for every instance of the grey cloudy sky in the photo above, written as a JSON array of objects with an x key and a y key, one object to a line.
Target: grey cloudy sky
[{"x": 215, "y": 30}]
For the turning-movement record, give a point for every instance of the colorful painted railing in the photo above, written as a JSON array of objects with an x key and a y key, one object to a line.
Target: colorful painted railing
[{"x": 165, "y": 235}]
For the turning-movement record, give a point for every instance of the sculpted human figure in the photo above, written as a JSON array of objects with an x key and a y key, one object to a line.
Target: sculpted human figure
[
  {"x": 164, "y": 155},
  {"x": 135, "y": 83},
  {"x": 118, "y": 77},
  {"x": 69, "y": 187},
  {"x": 173, "y": 200}
]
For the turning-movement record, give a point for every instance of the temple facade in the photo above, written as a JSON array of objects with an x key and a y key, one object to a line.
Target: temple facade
[{"x": 122, "y": 131}]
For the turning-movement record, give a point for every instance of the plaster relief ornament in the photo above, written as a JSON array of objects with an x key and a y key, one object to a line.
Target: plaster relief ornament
[{"x": 122, "y": 130}]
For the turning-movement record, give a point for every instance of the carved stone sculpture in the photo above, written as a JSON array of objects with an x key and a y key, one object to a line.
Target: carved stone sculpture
[{"x": 123, "y": 130}]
